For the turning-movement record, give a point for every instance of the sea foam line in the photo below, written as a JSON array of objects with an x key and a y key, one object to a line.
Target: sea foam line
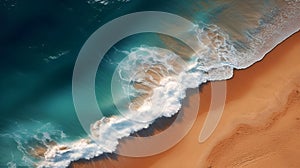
[
  {"x": 214, "y": 63},
  {"x": 168, "y": 94}
]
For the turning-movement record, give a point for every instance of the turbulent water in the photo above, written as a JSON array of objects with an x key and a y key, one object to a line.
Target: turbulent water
[{"x": 228, "y": 35}]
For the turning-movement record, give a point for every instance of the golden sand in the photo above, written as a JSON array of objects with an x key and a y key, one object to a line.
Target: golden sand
[{"x": 260, "y": 126}]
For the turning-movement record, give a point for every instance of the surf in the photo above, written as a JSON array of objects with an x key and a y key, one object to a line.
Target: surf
[{"x": 155, "y": 77}]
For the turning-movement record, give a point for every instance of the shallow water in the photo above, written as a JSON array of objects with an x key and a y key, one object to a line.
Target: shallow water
[{"x": 39, "y": 47}]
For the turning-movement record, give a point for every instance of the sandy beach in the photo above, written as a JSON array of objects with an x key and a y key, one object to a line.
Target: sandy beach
[{"x": 260, "y": 125}]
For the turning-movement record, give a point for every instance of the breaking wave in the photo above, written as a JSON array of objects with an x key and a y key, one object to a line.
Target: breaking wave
[{"x": 152, "y": 82}]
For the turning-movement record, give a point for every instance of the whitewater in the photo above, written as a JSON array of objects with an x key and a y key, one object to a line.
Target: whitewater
[{"x": 156, "y": 80}]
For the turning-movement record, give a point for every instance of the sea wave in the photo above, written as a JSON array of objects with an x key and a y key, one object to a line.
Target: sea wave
[
  {"x": 155, "y": 77},
  {"x": 31, "y": 140}
]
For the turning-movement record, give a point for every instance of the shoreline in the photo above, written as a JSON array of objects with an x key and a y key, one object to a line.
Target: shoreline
[
  {"x": 92, "y": 152},
  {"x": 259, "y": 78},
  {"x": 284, "y": 78}
]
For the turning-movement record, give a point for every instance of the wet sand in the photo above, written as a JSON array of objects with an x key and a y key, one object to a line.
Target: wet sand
[{"x": 260, "y": 126}]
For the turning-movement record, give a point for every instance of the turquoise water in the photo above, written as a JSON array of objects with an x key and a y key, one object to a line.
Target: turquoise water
[
  {"x": 39, "y": 45},
  {"x": 40, "y": 42}
]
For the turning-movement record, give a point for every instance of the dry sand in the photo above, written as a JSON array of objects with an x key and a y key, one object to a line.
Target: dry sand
[{"x": 260, "y": 126}]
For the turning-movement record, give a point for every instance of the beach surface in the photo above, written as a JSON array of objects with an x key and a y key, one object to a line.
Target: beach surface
[{"x": 260, "y": 126}]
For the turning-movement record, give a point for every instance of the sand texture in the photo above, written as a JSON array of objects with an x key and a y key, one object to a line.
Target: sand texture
[{"x": 260, "y": 126}]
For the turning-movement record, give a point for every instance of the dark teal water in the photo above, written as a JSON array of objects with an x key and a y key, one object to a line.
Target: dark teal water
[
  {"x": 39, "y": 44},
  {"x": 40, "y": 41}
]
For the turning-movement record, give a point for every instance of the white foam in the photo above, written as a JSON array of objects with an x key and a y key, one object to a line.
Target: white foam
[
  {"x": 27, "y": 136},
  {"x": 105, "y": 2},
  {"x": 214, "y": 61},
  {"x": 165, "y": 100}
]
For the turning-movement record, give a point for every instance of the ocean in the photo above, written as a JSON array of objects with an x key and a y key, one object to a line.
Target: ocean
[{"x": 40, "y": 43}]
